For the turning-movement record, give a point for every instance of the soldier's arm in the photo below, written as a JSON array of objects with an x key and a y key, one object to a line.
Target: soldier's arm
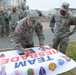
[
  {"x": 19, "y": 16},
  {"x": 73, "y": 22},
  {"x": 52, "y": 22},
  {"x": 74, "y": 29},
  {"x": 10, "y": 17},
  {"x": 39, "y": 31},
  {"x": 16, "y": 37},
  {"x": 17, "y": 44}
]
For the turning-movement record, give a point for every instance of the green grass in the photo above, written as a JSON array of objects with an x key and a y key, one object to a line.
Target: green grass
[{"x": 71, "y": 52}]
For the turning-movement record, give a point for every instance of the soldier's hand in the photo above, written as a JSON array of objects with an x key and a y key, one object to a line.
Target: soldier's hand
[
  {"x": 52, "y": 30},
  {"x": 42, "y": 47},
  {"x": 70, "y": 33},
  {"x": 18, "y": 47},
  {"x": 17, "y": 31},
  {"x": 26, "y": 52}
]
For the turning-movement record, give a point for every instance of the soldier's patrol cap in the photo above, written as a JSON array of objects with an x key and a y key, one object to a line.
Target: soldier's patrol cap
[
  {"x": 33, "y": 14},
  {"x": 65, "y": 6},
  {"x": 13, "y": 7}
]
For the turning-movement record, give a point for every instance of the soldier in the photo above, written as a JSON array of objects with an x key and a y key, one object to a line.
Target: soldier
[
  {"x": 23, "y": 35},
  {"x": 7, "y": 22},
  {"x": 2, "y": 24},
  {"x": 24, "y": 14},
  {"x": 63, "y": 20},
  {"x": 13, "y": 17}
]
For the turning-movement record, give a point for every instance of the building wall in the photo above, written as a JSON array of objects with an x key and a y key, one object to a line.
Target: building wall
[
  {"x": 6, "y": 4},
  {"x": 11, "y": 3}
]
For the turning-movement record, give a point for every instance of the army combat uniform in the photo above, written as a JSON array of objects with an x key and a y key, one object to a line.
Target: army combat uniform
[
  {"x": 7, "y": 22},
  {"x": 2, "y": 25},
  {"x": 23, "y": 35},
  {"x": 62, "y": 29},
  {"x": 13, "y": 18}
]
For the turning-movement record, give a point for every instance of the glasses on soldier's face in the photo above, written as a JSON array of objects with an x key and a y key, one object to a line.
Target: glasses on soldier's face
[{"x": 31, "y": 19}]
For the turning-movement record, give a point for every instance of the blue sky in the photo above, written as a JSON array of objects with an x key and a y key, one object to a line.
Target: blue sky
[{"x": 48, "y": 4}]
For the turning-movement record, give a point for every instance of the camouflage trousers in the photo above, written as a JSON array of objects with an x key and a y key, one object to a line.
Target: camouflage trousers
[
  {"x": 7, "y": 29},
  {"x": 61, "y": 42},
  {"x": 12, "y": 28},
  {"x": 2, "y": 30}
]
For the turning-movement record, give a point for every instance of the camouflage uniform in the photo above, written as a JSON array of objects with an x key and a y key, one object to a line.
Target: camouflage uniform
[
  {"x": 13, "y": 17},
  {"x": 23, "y": 15},
  {"x": 62, "y": 29},
  {"x": 2, "y": 24},
  {"x": 25, "y": 36},
  {"x": 7, "y": 22}
]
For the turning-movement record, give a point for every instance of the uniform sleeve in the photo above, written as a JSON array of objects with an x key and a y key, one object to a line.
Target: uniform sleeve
[
  {"x": 74, "y": 29},
  {"x": 10, "y": 16},
  {"x": 16, "y": 37},
  {"x": 19, "y": 16},
  {"x": 39, "y": 31},
  {"x": 52, "y": 22},
  {"x": 73, "y": 21}
]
